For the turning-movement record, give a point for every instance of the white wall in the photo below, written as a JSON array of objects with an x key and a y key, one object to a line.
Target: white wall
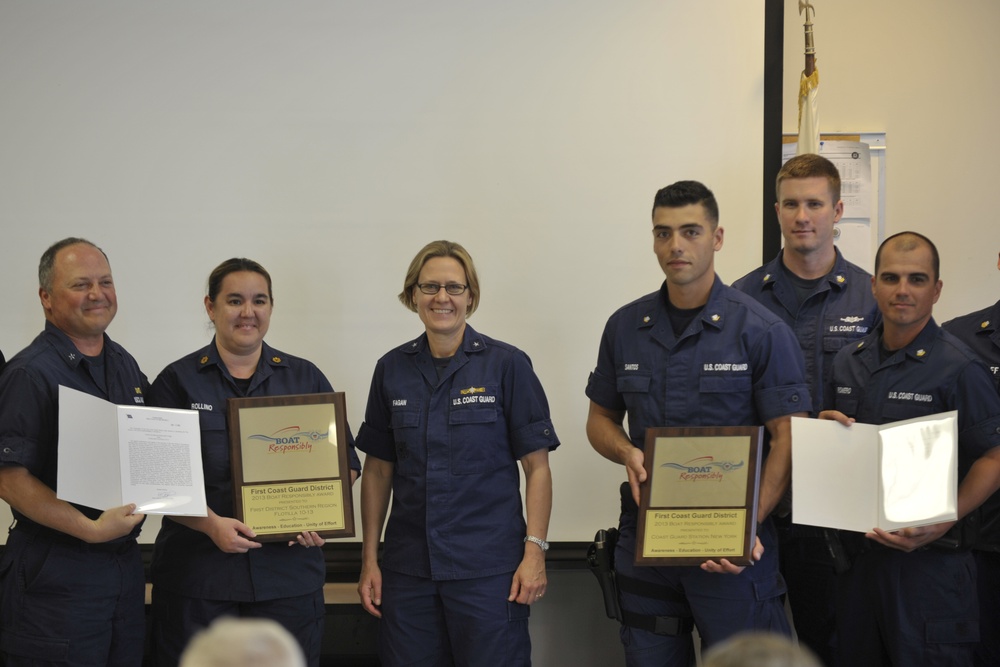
[
  {"x": 331, "y": 140},
  {"x": 922, "y": 71}
]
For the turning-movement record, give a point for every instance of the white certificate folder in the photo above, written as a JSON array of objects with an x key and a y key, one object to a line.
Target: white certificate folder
[
  {"x": 863, "y": 476},
  {"x": 111, "y": 455}
]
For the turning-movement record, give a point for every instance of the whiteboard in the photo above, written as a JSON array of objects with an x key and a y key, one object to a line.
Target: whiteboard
[{"x": 331, "y": 140}]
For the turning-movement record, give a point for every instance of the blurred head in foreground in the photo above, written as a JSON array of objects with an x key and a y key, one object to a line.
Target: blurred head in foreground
[
  {"x": 243, "y": 642},
  {"x": 759, "y": 650}
]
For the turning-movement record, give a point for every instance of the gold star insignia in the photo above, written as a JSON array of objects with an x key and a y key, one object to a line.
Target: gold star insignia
[
  {"x": 646, "y": 319},
  {"x": 203, "y": 360},
  {"x": 276, "y": 359},
  {"x": 921, "y": 353},
  {"x": 716, "y": 318},
  {"x": 984, "y": 324},
  {"x": 840, "y": 279}
]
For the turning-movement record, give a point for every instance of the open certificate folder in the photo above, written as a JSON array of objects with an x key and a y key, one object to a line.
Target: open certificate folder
[
  {"x": 863, "y": 476},
  {"x": 111, "y": 455}
]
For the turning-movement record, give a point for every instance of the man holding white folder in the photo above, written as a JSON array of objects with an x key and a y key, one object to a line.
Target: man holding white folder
[
  {"x": 909, "y": 597},
  {"x": 71, "y": 577}
]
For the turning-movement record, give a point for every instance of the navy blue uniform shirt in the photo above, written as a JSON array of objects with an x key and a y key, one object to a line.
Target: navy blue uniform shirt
[
  {"x": 737, "y": 364},
  {"x": 29, "y": 400},
  {"x": 456, "y": 501},
  {"x": 980, "y": 331},
  {"x": 186, "y": 561},
  {"x": 839, "y": 310}
]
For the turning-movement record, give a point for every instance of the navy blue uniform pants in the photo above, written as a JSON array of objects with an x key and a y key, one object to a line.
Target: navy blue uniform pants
[
  {"x": 916, "y": 609},
  {"x": 988, "y": 580},
  {"x": 721, "y": 604},
  {"x": 465, "y": 622},
  {"x": 64, "y": 602},
  {"x": 811, "y": 576}
]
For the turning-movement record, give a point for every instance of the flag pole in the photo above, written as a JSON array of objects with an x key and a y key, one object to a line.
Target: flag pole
[
  {"x": 808, "y": 89},
  {"x": 807, "y": 28}
]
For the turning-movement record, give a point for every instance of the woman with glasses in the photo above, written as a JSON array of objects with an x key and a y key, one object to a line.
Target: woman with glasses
[
  {"x": 450, "y": 415},
  {"x": 207, "y": 567}
]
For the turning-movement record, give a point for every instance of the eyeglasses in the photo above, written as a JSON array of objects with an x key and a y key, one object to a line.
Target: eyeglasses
[{"x": 453, "y": 289}]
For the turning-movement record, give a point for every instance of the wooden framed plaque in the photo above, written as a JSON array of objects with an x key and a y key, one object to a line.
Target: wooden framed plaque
[
  {"x": 699, "y": 501},
  {"x": 290, "y": 465}
]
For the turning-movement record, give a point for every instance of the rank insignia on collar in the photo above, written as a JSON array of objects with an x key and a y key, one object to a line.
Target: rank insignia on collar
[
  {"x": 645, "y": 319},
  {"x": 72, "y": 356},
  {"x": 203, "y": 360},
  {"x": 767, "y": 277},
  {"x": 984, "y": 324},
  {"x": 138, "y": 390},
  {"x": 475, "y": 344},
  {"x": 716, "y": 317},
  {"x": 921, "y": 352},
  {"x": 840, "y": 279},
  {"x": 861, "y": 345},
  {"x": 276, "y": 359}
]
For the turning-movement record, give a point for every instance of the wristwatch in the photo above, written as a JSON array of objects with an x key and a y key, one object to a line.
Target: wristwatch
[{"x": 542, "y": 544}]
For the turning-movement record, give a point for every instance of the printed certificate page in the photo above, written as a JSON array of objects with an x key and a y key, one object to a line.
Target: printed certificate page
[
  {"x": 110, "y": 455},
  {"x": 865, "y": 476}
]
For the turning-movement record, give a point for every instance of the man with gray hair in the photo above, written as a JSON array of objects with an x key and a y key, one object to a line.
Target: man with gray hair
[{"x": 72, "y": 586}]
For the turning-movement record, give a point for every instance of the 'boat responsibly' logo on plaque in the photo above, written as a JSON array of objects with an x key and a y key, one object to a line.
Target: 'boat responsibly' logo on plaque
[
  {"x": 703, "y": 469},
  {"x": 290, "y": 439}
]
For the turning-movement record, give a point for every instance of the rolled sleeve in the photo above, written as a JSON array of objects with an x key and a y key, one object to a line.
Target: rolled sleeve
[
  {"x": 602, "y": 385},
  {"x": 774, "y": 402},
  {"x": 604, "y": 391},
  {"x": 780, "y": 386},
  {"x": 982, "y": 437},
  {"x": 18, "y": 451},
  {"x": 24, "y": 421},
  {"x": 533, "y": 437},
  {"x": 528, "y": 422},
  {"x": 375, "y": 435},
  {"x": 376, "y": 443}
]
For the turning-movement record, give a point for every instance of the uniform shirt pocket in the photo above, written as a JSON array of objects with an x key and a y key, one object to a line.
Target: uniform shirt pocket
[
  {"x": 730, "y": 395},
  {"x": 634, "y": 383},
  {"x": 847, "y": 404},
  {"x": 894, "y": 411},
  {"x": 719, "y": 384},
  {"x": 634, "y": 390},
  {"x": 404, "y": 423},
  {"x": 832, "y": 344},
  {"x": 214, "y": 447},
  {"x": 477, "y": 436}
]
